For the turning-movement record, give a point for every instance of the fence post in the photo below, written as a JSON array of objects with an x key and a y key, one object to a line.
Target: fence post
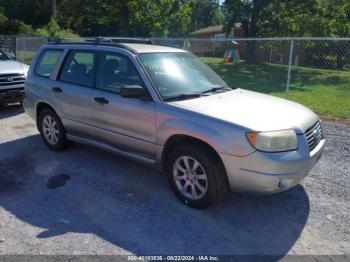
[
  {"x": 290, "y": 66},
  {"x": 15, "y": 45}
]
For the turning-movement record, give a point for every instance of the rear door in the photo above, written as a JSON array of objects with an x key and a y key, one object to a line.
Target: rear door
[
  {"x": 41, "y": 80},
  {"x": 126, "y": 123},
  {"x": 74, "y": 89}
]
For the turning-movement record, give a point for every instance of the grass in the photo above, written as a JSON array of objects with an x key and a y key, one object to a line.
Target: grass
[{"x": 327, "y": 92}]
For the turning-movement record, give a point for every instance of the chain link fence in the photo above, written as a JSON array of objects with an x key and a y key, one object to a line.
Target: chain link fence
[
  {"x": 313, "y": 71},
  {"x": 8, "y": 45},
  {"x": 26, "y": 47}
]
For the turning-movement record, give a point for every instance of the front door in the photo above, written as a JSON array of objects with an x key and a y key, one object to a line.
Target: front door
[{"x": 126, "y": 123}]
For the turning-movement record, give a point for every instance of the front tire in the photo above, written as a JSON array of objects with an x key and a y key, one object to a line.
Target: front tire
[
  {"x": 196, "y": 175},
  {"x": 52, "y": 130}
]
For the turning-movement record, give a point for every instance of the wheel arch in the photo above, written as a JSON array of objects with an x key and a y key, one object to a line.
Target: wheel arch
[
  {"x": 40, "y": 107},
  {"x": 179, "y": 139}
]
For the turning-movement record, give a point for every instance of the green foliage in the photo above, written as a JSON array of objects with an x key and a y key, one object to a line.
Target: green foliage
[
  {"x": 293, "y": 18},
  {"x": 125, "y": 18},
  {"x": 53, "y": 29},
  {"x": 31, "y": 12},
  {"x": 337, "y": 16},
  {"x": 158, "y": 18},
  {"x": 87, "y": 17},
  {"x": 165, "y": 18},
  {"x": 12, "y": 27}
]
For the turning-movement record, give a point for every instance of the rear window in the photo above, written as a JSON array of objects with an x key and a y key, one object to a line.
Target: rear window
[
  {"x": 47, "y": 62},
  {"x": 79, "y": 68}
]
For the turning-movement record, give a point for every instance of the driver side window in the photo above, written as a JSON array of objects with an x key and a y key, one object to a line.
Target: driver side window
[{"x": 114, "y": 71}]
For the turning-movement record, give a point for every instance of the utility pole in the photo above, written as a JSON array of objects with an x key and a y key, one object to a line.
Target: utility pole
[{"x": 53, "y": 7}]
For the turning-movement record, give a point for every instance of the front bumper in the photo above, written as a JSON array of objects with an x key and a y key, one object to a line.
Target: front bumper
[
  {"x": 9, "y": 96},
  {"x": 262, "y": 172}
]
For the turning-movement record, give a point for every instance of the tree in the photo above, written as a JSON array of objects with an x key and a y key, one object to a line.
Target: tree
[
  {"x": 337, "y": 12},
  {"x": 297, "y": 18},
  {"x": 205, "y": 13},
  {"x": 53, "y": 29},
  {"x": 87, "y": 17},
  {"x": 293, "y": 18},
  {"x": 14, "y": 27},
  {"x": 154, "y": 18},
  {"x": 246, "y": 12},
  {"x": 163, "y": 18},
  {"x": 158, "y": 18},
  {"x": 125, "y": 17},
  {"x": 32, "y": 12}
]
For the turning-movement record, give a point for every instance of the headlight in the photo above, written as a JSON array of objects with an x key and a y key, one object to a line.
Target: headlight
[
  {"x": 25, "y": 69},
  {"x": 274, "y": 141}
]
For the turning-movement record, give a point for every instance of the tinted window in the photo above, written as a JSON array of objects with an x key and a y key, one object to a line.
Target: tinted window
[
  {"x": 79, "y": 68},
  {"x": 47, "y": 62},
  {"x": 114, "y": 71}
]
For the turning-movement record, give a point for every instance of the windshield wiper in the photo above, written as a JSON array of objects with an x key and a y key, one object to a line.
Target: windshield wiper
[
  {"x": 217, "y": 88},
  {"x": 194, "y": 95},
  {"x": 182, "y": 96}
]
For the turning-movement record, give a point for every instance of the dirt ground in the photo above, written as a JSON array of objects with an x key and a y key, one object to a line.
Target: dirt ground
[{"x": 86, "y": 201}]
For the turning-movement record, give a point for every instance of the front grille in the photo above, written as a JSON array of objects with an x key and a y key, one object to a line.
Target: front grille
[
  {"x": 314, "y": 135},
  {"x": 11, "y": 79}
]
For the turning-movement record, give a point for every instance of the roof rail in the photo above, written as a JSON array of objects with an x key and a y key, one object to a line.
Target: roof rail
[
  {"x": 129, "y": 40},
  {"x": 55, "y": 40},
  {"x": 106, "y": 41},
  {"x": 98, "y": 40}
]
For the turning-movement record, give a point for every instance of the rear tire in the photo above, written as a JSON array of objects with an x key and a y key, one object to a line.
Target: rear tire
[
  {"x": 196, "y": 175},
  {"x": 52, "y": 130}
]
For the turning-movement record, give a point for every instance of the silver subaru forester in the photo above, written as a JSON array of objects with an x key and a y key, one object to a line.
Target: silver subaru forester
[{"x": 164, "y": 107}]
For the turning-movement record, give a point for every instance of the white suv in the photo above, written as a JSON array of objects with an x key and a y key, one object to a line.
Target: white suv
[{"x": 12, "y": 78}]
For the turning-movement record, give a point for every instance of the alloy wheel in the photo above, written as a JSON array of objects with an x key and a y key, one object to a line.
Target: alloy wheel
[
  {"x": 190, "y": 177},
  {"x": 50, "y": 130}
]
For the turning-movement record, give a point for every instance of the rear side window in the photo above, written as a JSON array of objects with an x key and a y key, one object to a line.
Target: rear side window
[
  {"x": 79, "y": 68},
  {"x": 47, "y": 62}
]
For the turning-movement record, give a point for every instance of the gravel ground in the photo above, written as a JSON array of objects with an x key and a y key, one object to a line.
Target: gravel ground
[{"x": 86, "y": 201}]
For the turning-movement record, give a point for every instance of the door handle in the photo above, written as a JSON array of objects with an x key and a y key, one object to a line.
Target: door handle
[
  {"x": 101, "y": 100},
  {"x": 57, "y": 89}
]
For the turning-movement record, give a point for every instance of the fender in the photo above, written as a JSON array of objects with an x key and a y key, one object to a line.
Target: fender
[{"x": 221, "y": 137}]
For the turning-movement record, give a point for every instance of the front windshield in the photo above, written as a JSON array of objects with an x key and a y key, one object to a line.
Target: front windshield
[
  {"x": 176, "y": 74},
  {"x": 3, "y": 56}
]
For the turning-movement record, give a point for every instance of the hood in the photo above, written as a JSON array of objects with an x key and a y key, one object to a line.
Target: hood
[
  {"x": 13, "y": 67},
  {"x": 252, "y": 110}
]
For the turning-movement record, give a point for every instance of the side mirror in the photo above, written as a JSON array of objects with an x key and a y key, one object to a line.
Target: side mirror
[{"x": 132, "y": 91}]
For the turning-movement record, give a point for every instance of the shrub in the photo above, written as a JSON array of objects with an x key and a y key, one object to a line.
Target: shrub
[{"x": 53, "y": 29}]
